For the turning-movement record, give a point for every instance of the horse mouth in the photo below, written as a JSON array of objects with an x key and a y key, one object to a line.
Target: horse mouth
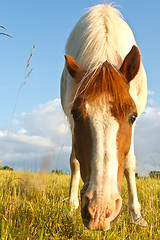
[
  {"x": 112, "y": 223},
  {"x": 88, "y": 221}
]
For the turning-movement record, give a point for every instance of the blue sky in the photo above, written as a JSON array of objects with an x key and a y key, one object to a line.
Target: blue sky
[{"x": 48, "y": 24}]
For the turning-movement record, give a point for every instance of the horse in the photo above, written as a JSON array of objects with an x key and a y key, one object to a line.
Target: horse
[{"x": 103, "y": 93}]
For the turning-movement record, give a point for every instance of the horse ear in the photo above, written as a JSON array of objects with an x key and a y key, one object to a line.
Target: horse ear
[
  {"x": 73, "y": 68},
  {"x": 131, "y": 64}
]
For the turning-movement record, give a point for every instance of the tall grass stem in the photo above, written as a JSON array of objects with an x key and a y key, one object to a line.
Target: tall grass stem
[{"x": 23, "y": 82}]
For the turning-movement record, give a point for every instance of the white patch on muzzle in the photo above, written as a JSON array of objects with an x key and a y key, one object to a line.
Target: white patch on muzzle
[{"x": 104, "y": 162}]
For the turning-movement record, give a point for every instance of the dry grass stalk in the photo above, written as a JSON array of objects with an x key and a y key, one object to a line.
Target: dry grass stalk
[
  {"x": 5, "y": 34},
  {"x": 26, "y": 76}
]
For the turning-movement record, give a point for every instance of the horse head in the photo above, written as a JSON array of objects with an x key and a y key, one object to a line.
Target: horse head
[{"x": 103, "y": 112}]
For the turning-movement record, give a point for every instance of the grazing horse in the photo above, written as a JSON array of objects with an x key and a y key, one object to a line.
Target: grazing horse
[{"x": 103, "y": 92}]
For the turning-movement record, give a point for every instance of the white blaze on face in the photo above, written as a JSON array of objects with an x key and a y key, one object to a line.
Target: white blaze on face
[{"x": 104, "y": 162}]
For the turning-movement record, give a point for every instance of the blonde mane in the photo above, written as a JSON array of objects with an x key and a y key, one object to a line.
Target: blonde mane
[{"x": 95, "y": 38}]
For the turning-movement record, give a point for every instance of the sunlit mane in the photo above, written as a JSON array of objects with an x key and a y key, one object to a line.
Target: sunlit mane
[{"x": 105, "y": 83}]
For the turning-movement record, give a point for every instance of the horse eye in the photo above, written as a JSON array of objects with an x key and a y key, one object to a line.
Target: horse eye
[
  {"x": 132, "y": 118},
  {"x": 75, "y": 114}
]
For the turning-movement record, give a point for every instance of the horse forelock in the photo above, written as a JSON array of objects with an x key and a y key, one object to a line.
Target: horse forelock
[{"x": 106, "y": 84}]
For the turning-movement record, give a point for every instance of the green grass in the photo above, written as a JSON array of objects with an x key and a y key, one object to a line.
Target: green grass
[{"x": 34, "y": 206}]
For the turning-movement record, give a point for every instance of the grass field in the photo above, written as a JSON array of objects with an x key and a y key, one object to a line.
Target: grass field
[{"x": 34, "y": 206}]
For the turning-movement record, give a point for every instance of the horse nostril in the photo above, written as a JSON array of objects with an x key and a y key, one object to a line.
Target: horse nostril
[
  {"x": 85, "y": 213},
  {"x": 108, "y": 214},
  {"x": 85, "y": 200}
]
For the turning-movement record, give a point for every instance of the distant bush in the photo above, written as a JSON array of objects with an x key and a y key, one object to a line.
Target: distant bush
[
  {"x": 6, "y": 168},
  {"x": 60, "y": 172},
  {"x": 154, "y": 174}
]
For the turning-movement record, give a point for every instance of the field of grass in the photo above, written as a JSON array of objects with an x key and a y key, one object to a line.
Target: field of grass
[{"x": 34, "y": 206}]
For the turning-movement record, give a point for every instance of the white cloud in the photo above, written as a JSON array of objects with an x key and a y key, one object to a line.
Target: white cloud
[
  {"x": 45, "y": 120},
  {"x": 147, "y": 140},
  {"x": 32, "y": 140},
  {"x": 150, "y": 100},
  {"x": 41, "y": 132},
  {"x": 22, "y": 131},
  {"x": 43, "y": 136},
  {"x": 150, "y": 92}
]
